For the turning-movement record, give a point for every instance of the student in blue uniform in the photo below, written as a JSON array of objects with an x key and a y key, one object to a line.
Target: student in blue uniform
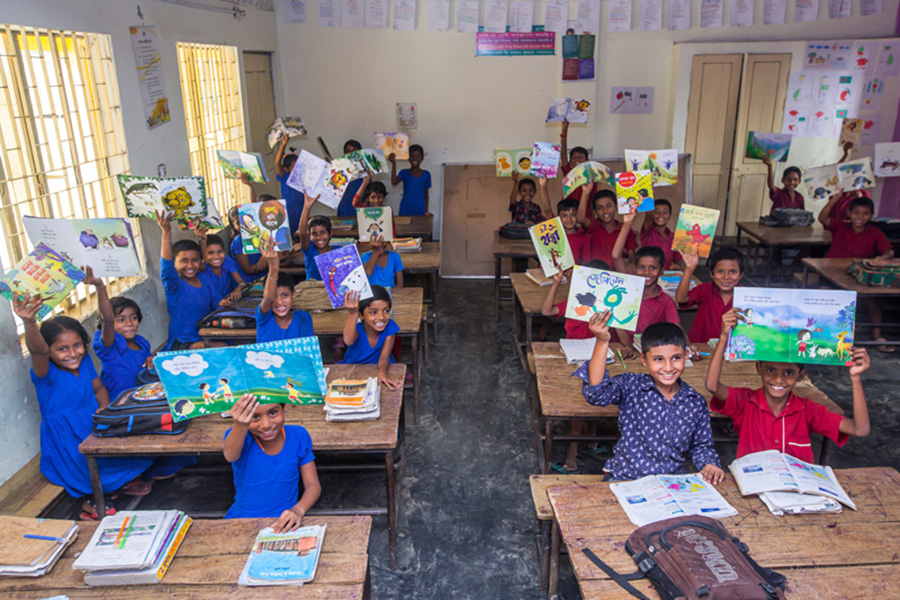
[
  {"x": 293, "y": 199},
  {"x": 268, "y": 465},
  {"x": 346, "y": 208},
  {"x": 383, "y": 267},
  {"x": 219, "y": 272},
  {"x": 315, "y": 238},
  {"x": 275, "y": 319},
  {"x": 369, "y": 333},
  {"x": 416, "y": 182},
  {"x": 249, "y": 267}
]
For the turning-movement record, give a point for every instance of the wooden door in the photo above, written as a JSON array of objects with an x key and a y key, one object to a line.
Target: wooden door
[
  {"x": 712, "y": 108},
  {"x": 760, "y": 108},
  {"x": 261, "y": 109}
]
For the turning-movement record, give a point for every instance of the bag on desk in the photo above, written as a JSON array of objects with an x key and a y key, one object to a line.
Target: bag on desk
[
  {"x": 788, "y": 217},
  {"x": 694, "y": 557},
  {"x": 876, "y": 273},
  {"x": 515, "y": 231},
  {"x": 240, "y": 315},
  {"x": 140, "y": 411}
]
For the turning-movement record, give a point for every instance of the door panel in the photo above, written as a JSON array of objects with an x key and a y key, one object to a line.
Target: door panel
[{"x": 261, "y": 109}]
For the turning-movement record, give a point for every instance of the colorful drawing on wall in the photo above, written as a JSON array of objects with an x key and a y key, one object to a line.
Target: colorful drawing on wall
[
  {"x": 856, "y": 174},
  {"x": 775, "y": 146},
  {"x": 185, "y": 197},
  {"x": 887, "y": 160},
  {"x": 544, "y": 160},
  {"x": 552, "y": 246},
  {"x": 235, "y": 164},
  {"x": 259, "y": 221},
  {"x": 375, "y": 220},
  {"x": 634, "y": 190},
  {"x": 821, "y": 182},
  {"x": 595, "y": 290},
  {"x": 695, "y": 230},
  {"x": 43, "y": 273},
  {"x": 587, "y": 172},
  {"x": 105, "y": 245},
  {"x": 342, "y": 271},
  {"x": 663, "y": 164}
]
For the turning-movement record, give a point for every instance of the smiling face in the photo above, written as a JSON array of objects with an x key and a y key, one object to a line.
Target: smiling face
[
  {"x": 726, "y": 274},
  {"x": 665, "y": 364},
  {"x": 267, "y": 422},
  {"x": 126, "y": 323},
  {"x": 527, "y": 191},
  {"x": 215, "y": 255},
  {"x": 605, "y": 209},
  {"x": 375, "y": 199},
  {"x": 284, "y": 298},
  {"x": 779, "y": 379},
  {"x": 377, "y": 315},
  {"x": 67, "y": 350},
  {"x": 415, "y": 158},
  {"x": 319, "y": 236},
  {"x": 790, "y": 181},
  {"x": 660, "y": 216},
  {"x": 187, "y": 264},
  {"x": 569, "y": 218},
  {"x": 649, "y": 268},
  {"x": 860, "y": 217}
]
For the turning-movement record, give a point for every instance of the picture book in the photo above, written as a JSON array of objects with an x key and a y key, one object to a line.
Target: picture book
[
  {"x": 793, "y": 325},
  {"x": 775, "y": 146},
  {"x": 284, "y": 126},
  {"x": 595, "y": 290},
  {"x": 105, "y": 245},
  {"x": 345, "y": 169},
  {"x": 772, "y": 471},
  {"x": 544, "y": 160},
  {"x": 393, "y": 143},
  {"x": 573, "y": 110},
  {"x": 234, "y": 164},
  {"x": 552, "y": 246},
  {"x": 507, "y": 162},
  {"x": 856, "y": 174},
  {"x": 370, "y": 159},
  {"x": 658, "y": 497},
  {"x": 851, "y": 131},
  {"x": 213, "y": 220},
  {"x": 887, "y": 159},
  {"x": 695, "y": 230},
  {"x": 43, "y": 272},
  {"x": 259, "y": 220},
  {"x": 310, "y": 175},
  {"x": 634, "y": 189},
  {"x": 663, "y": 164},
  {"x": 821, "y": 182},
  {"x": 342, "y": 271},
  {"x": 375, "y": 220},
  {"x": 144, "y": 196},
  {"x": 288, "y": 558},
  {"x": 587, "y": 172},
  {"x": 208, "y": 381}
]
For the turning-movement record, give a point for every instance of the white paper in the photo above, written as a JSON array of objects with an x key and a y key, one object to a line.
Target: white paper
[
  {"x": 145, "y": 43},
  {"x": 438, "y": 15},
  {"x": 711, "y": 13},
  {"x": 405, "y": 15},
  {"x": 658, "y": 497},
  {"x": 679, "y": 15},
  {"x": 556, "y": 15},
  {"x": 869, "y": 7},
  {"x": 871, "y": 129},
  {"x": 588, "y": 16},
  {"x": 521, "y": 16},
  {"x": 889, "y": 60},
  {"x": 295, "y": 11},
  {"x": 887, "y": 160},
  {"x": 352, "y": 14},
  {"x": 650, "y": 15},
  {"x": 806, "y": 11},
  {"x": 309, "y": 175},
  {"x": 741, "y": 13},
  {"x": 376, "y": 14},
  {"x": 799, "y": 89},
  {"x": 774, "y": 12},
  {"x": 467, "y": 13},
  {"x": 864, "y": 56},
  {"x": 329, "y": 13},
  {"x": 619, "y": 16},
  {"x": 577, "y": 351},
  {"x": 873, "y": 91},
  {"x": 495, "y": 16},
  {"x": 838, "y": 9}
]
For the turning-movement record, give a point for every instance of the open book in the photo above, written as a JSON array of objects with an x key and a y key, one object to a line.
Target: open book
[
  {"x": 310, "y": 175},
  {"x": 287, "y": 558},
  {"x": 580, "y": 351},
  {"x": 662, "y": 164},
  {"x": 105, "y": 245},
  {"x": 658, "y": 497},
  {"x": 235, "y": 163},
  {"x": 185, "y": 197},
  {"x": 573, "y": 110},
  {"x": 284, "y": 126}
]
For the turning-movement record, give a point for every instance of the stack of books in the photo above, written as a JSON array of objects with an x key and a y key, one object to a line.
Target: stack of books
[
  {"x": 353, "y": 400},
  {"x": 669, "y": 281},
  {"x": 537, "y": 275},
  {"x": 407, "y": 244},
  {"x": 133, "y": 547},
  {"x": 284, "y": 558},
  {"x": 30, "y": 547},
  {"x": 340, "y": 242}
]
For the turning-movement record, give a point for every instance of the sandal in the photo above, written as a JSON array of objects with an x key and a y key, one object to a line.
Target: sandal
[
  {"x": 89, "y": 510},
  {"x": 560, "y": 468},
  {"x": 138, "y": 487}
]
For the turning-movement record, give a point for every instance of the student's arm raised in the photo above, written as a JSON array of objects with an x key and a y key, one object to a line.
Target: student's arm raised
[
  {"x": 279, "y": 156},
  {"x": 825, "y": 213},
  {"x": 859, "y": 424},
  {"x": 270, "y": 289},
  {"x": 599, "y": 326},
  {"x": 376, "y": 245},
  {"x": 582, "y": 215},
  {"x": 358, "y": 200},
  {"x": 514, "y": 192},
  {"x": 619, "y": 247},
  {"x": 104, "y": 307},
  {"x": 26, "y": 308},
  {"x": 548, "y": 308},
  {"x": 770, "y": 174},
  {"x": 245, "y": 179},
  {"x": 351, "y": 303},
  {"x": 691, "y": 261},
  {"x": 545, "y": 197},
  {"x": 563, "y": 144},
  {"x": 303, "y": 228},
  {"x": 164, "y": 220},
  {"x": 392, "y": 158},
  {"x": 241, "y": 415},
  {"x": 714, "y": 372},
  {"x": 312, "y": 489}
]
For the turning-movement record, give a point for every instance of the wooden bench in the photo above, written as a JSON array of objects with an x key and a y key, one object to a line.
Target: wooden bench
[{"x": 28, "y": 493}]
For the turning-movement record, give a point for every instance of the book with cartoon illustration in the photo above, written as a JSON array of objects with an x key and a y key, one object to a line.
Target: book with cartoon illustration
[
  {"x": 796, "y": 326},
  {"x": 211, "y": 380},
  {"x": 284, "y": 127},
  {"x": 342, "y": 271},
  {"x": 354, "y": 165},
  {"x": 288, "y": 558},
  {"x": 43, "y": 272},
  {"x": 234, "y": 164},
  {"x": 507, "y": 161},
  {"x": 552, "y": 246},
  {"x": 662, "y": 164},
  {"x": 587, "y": 172},
  {"x": 573, "y": 110},
  {"x": 634, "y": 190},
  {"x": 595, "y": 290},
  {"x": 851, "y": 131},
  {"x": 261, "y": 220},
  {"x": 185, "y": 197},
  {"x": 695, "y": 230},
  {"x": 375, "y": 220},
  {"x": 393, "y": 143},
  {"x": 775, "y": 146},
  {"x": 105, "y": 245},
  {"x": 658, "y": 497},
  {"x": 856, "y": 174},
  {"x": 310, "y": 175},
  {"x": 544, "y": 160},
  {"x": 821, "y": 182}
]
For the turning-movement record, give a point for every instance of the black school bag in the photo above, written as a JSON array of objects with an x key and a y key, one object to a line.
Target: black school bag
[
  {"x": 240, "y": 315},
  {"x": 788, "y": 217},
  {"x": 694, "y": 557},
  {"x": 143, "y": 410},
  {"x": 515, "y": 231}
]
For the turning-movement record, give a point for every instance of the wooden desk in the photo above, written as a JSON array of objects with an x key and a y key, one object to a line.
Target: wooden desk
[
  {"x": 812, "y": 551},
  {"x": 560, "y": 396},
  {"x": 408, "y": 226},
  {"x": 381, "y": 438},
  {"x": 506, "y": 248},
  {"x": 209, "y": 563},
  {"x": 781, "y": 237}
]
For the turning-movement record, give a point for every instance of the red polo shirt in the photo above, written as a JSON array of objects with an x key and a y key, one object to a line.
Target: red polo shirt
[
  {"x": 760, "y": 429},
  {"x": 710, "y": 308},
  {"x": 781, "y": 199},
  {"x": 658, "y": 309},
  {"x": 575, "y": 329},
  {"x": 580, "y": 243},
  {"x": 602, "y": 242},
  {"x": 840, "y": 208},
  {"x": 652, "y": 237},
  {"x": 868, "y": 243}
]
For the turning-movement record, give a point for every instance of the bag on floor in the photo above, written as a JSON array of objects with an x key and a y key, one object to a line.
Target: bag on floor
[
  {"x": 515, "y": 231},
  {"x": 694, "y": 557},
  {"x": 788, "y": 217},
  {"x": 140, "y": 411}
]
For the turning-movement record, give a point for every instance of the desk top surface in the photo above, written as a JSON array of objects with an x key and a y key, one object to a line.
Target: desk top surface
[
  {"x": 408, "y": 226},
  {"x": 835, "y": 271},
  {"x": 814, "y": 235},
  {"x": 505, "y": 247}
]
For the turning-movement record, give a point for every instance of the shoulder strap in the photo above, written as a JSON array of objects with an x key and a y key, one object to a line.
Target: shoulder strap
[{"x": 620, "y": 579}]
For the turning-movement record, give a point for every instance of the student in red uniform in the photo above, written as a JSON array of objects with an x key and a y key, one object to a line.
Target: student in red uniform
[
  {"x": 567, "y": 211},
  {"x": 603, "y": 227},
  {"x": 772, "y": 417},
  {"x": 568, "y": 160},
  {"x": 655, "y": 232},
  {"x": 713, "y": 298},
  {"x": 787, "y": 196},
  {"x": 842, "y": 206}
]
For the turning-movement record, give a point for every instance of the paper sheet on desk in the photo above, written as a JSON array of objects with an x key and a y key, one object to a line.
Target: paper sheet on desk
[{"x": 579, "y": 351}]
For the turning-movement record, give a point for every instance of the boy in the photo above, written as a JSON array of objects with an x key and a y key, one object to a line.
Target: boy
[
  {"x": 346, "y": 208},
  {"x": 315, "y": 238},
  {"x": 275, "y": 318},
  {"x": 655, "y": 232},
  {"x": 187, "y": 299},
  {"x": 522, "y": 207},
  {"x": 787, "y": 196},
  {"x": 416, "y": 182},
  {"x": 383, "y": 267},
  {"x": 268, "y": 465},
  {"x": 772, "y": 417},
  {"x": 220, "y": 272},
  {"x": 713, "y": 298},
  {"x": 284, "y": 164},
  {"x": 576, "y": 156},
  {"x": 567, "y": 210},
  {"x": 661, "y": 418},
  {"x": 603, "y": 227}
]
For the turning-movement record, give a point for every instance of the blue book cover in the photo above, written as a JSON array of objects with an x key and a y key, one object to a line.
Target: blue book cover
[
  {"x": 342, "y": 271},
  {"x": 288, "y": 558}
]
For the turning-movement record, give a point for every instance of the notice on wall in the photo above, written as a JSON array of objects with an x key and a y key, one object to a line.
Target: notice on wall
[
  {"x": 711, "y": 13},
  {"x": 407, "y": 115},
  {"x": 679, "y": 15},
  {"x": 619, "y": 16},
  {"x": 556, "y": 15},
  {"x": 376, "y": 14},
  {"x": 578, "y": 57},
  {"x": 774, "y": 12},
  {"x": 467, "y": 16},
  {"x": 631, "y": 101},
  {"x": 295, "y": 11},
  {"x": 144, "y": 41},
  {"x": 535, "y": 43}
]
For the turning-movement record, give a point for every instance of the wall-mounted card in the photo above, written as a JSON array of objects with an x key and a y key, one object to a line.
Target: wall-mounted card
[
  {"x": 261, "y": 220},
  {"x": 105, "y": 245},
  {"x": 663, "y": 164},
  {"x": 45, "y": 273},
  {"x": 573, "y": 110},
  {"x": 235, "y": 164},
  {"x": 393, "y": 143},
  {"x": 774, "y": 146},
  {"x": 144, "y": 196},
  {"x": 856, "y": 174},
  {"x": 552, "y": 245},
  {"x": 375, "y": 220},
  {"x": 695, "y": 230},
  {"x": 587, "y": 172},
  {"x": 887, "y": 160},
  {"x": 595, "y": 290},
  {"x": 342, "y": 271},
  {"x": 821, "y": 182},
  {"x": 634, "y": 189},
  {"x": 544, "y": 160}
]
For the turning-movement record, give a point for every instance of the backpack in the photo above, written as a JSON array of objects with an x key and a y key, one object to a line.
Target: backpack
[
  {"x": 788, "y": 217},
  {"x": 875, "y": 273},
  {"x": 694, "y": 557},
  {"x": 515, "y": 231},
  {"x": 139, "y": 411},
  {"x": 240, "y": 315}
]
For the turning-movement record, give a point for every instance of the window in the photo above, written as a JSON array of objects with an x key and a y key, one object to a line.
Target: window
[
  {"x": 61, "y": 138},
  {"x": 214, "y": 115}
]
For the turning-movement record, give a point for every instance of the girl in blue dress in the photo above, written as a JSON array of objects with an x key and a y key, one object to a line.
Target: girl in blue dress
[{"x": 369, "y": 333}]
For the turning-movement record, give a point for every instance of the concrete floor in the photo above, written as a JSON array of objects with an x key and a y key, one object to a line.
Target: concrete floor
[{"x": 466, "y": 522}]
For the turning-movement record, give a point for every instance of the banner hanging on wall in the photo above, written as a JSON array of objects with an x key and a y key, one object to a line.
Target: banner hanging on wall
[
  {"x": 150, "y": 80},
  {"x": 534, "y": 43}
]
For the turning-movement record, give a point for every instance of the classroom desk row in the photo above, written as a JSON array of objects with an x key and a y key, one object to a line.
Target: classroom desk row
[
  {"x": 507, "y": 248},
  {"x": 404, "y": 226},
  {"x": 381, "y": 439}
]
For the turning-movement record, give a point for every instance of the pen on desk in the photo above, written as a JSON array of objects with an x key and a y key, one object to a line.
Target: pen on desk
[
  {"x": 48, "y": 538},
  {"x": 127, "y": 531},
  {"x": 121, "y": 530},
  {"x": 619, "y": 352},
  {"x": 704, "y": 354}
]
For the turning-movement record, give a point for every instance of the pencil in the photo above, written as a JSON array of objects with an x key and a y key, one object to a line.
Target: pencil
[
  {"x": 121, "y": 529},
  {"x": 619, "y": 352},
  {"x": 48, "y": 538},
  {"x": 125, "y": 537}
]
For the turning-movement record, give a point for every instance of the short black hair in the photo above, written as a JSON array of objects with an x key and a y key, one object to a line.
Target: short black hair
[
  {"x": 233, "y": 214},
  {"x": 265, "y": 198},
  {"x": 120, "y": 303},
  {"x": 864, "y": 202},
  {"x": 721, "y": 253},
  {"x": 598, "y": 264},
  {"x": 354, "y": 144},
  {"x": 418, "y": 147},
  {"x": 55, "y": 327},
  {"x": 662, "y": 334},
  {"x": 527, "y": 181},
  {"x": 284, "y": 280},
  {"x": 602, "y": 194},
  {"x": 319, "y": 220},
  {"x": 375, "y": 187},
  {"x": 288, "y": 160},
  {"x": 214, "y": 240},
  {"x": 185, "y": 246},
  {"x": 652, "y": 251},
  {"x": 566, "y": 204},
  {"x": 579, "y": 149},
  {"x": 790, "y": 170},
  {"x": 657, "y": 202},
  {"x": 378, "y": 293}
]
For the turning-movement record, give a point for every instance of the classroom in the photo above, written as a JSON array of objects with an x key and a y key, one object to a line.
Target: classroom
[{"x": 459, "y": 438}]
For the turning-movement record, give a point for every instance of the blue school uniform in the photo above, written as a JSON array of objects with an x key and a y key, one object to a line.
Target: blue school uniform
[
  {"x": 237, "y": 247},
  {"x": 224, "y": 284},
  {"x": 294, "y": 199},
  {"x": 345, "y": 208},
  {"x": 361, "y": 352},
  {"x": 67, "y": 404},
  {"x": 266, "y": 486},
  {"x": 413, "y": 202},
  {"x": 384, "y": 276},
  {"x": 268, "y": 329},
  {"x": 186, "y": 304},
  {"x": 312, "y": 267},
  {"x": 120, "y": 364}
]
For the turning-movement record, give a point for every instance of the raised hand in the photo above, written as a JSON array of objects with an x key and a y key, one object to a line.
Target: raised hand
[
  {"x": 377, "y": 244},
  {"x": 27, "y": 306},
  {"x": 90, "y": 278},
  {"x": 392, "y": 157},
  {"x": 310, "y": 200},
  {"x": 729, "y": 320},
  {"x": 629, "y": 218},
  {"x": 691, "y": 260},
  {"x": 860, "y": 360},
  {"x": 269, "y": 254},
  {"x": 351, "y": 301},
  {"x": 164, "y": 220},
  {"x": 599, "y": 325},
  {"x": 242, "y": 410}
]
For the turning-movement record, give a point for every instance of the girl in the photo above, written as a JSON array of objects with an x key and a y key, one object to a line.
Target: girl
[
  {"x": 373, "y": 193},
  {"x": 383, "y": 266},
  {"x": 69, "y": 392},
  {"x": 251, "y": 268},
  {"x": 315, "y": 239},
  {"x": 369, "y": 333},
  {"x": 346, "y": 208}
]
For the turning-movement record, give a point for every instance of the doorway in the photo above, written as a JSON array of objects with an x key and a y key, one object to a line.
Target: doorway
[{"x": 261, "y": 113}]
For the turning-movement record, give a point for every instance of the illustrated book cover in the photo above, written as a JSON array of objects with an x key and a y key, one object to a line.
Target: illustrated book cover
[
  {"x": 587, "y": 172},
  {"x": 375, "y": 220},
  {"x": 552, "y": 246},
  {"x": 288, "y": 558},
  {"x": 185, "y": 197},
  {"x": 262, "y": 220},
  {"x": 43, "y": 273},
  {"x": 393, "y": 143},
  {"x": 821, "y": 182},
  {"x": 507, "y": 161},
  {"x": 774, "y": 146},
  {"x": 695, "y": 230},
  {"x": 634, "y": 189},
  {"x": 544, "y": 160},
  {"x": 856, "y": 174},
  {"x": 342, "y": 271},
  {"x": 595, "y": 290},
  {"x": 234, "y": 164}
]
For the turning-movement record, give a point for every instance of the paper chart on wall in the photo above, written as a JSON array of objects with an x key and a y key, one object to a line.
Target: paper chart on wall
[
  {"x": 871, "y": 129},
  {"x": 806, "y": 11},
  {"x": 631, "y": 100},
  {"x": 864, "y": 56},
  {"x": 438, "y": 15},
  {"x": 869, "y": 7},
  {"x": 774, "y": 12},
  {"x": 711, "y": 13},
  {"x": 848, "y": 92},
  {"x": 679, "y": 15},
  {"x": 555, "y": 16},
  {"x": 352, "y": 14},
  {"x": 495, "y": 16},
  {"x": 827, "y": 55},
  {"x": 838, "y": 9},
  {"x": 741, "y": 13},
  {"x": 889, "y": 60},
  {"x": 887, "y": 160},
  {"x": 329, "y": 13},
  {"x": 405, "y": 15},
  {"x": 376, "y": 14},
  {"x": 619, "y": 16},
  {"x": 295, "y": 11},
  {"x": 799, "y": 89},
  {"x": 467, "y": 13},
  {"x": 872, "y": 93},
  {"x": 650, "y": 15},
  {"x": 588, "y": 17},
  {"x": 521, "y": 16}
]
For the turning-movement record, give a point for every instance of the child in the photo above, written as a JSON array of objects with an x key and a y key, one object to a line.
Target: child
[
  {"x": 373, "y": 194},
  {"x": 275, "y": 318},
  {"x": 603, "y": 226},
  {"x": 369, "y": 333},
  {"x": 346, "y": 208},
  {"x": 220, "y": 272},
  {"x": 416, "y": 182},
  {"x": 655, "y": 232},
  {"x": 315, "y": 239},
  {"x": 187, "y": 299},
  {"x": 842, "y": 206},
  {"x": 383, "y": 266},
  {"x": 293, "y": 199},
  {"x": 713, "y": 298},
  {"x": 250, "y": 268},
  {"x": 567, "y": 210},
  {"x": 661, "y": 418},
  {"x": 268, "y": 465},
  {"x": 576, "y": 156},
  {"x": 788, "y": 196},
  {"x": 521, "y": 204},
  {"x": 772, "y": 417},
  {"x": 69, "y": 392}
]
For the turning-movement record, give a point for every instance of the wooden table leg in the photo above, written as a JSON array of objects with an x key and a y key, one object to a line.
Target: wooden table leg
[
  {"x": 805, "y": 275},
  {"x": 548, "y": 441},
  {"x": 553, "y": 584},
  {"x": 97, "y": 485},
  {"x": 415, "y": 374},
  {"x": 825, "y": 451},
  {"x": 391, "y": 508},
  {"x": 528, "y": 331},
  {"x": 434, "y": 304},
  {"x": 367, "y": 584},
  {"x": 497, "y": 261},
  {"x": 545, "y": 554},
  {"x": 515, "y": 325}
]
